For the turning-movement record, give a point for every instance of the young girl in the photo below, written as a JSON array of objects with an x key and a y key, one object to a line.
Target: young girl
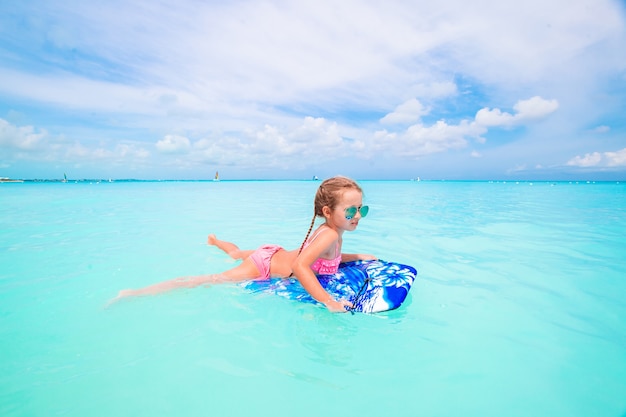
[{"x": 339, "y": 200}]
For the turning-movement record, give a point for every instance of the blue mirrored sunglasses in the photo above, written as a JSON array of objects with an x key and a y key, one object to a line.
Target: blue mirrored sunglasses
[{"x": 351, "y": 211}]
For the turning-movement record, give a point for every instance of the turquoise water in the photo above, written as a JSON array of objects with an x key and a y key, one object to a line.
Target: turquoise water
[{"x": 517, "y": 311}]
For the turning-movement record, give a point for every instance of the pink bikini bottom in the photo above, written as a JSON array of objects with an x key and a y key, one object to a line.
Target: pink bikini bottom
[{"x": 262, "y": 258}]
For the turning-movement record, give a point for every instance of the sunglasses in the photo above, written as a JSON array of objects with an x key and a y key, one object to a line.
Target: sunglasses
[{"x": 352, "y": 211}]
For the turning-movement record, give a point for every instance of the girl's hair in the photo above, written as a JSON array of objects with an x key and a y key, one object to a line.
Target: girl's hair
[{"x": 328, "y": 194}]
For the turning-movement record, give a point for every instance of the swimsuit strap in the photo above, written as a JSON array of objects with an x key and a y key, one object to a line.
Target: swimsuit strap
[{"x": 316, "y": 234}]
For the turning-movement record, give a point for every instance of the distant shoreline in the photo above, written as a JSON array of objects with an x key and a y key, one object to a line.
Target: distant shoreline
[{"x": 131, "y": 180}]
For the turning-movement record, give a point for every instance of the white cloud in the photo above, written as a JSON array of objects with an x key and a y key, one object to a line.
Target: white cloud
[
  {"x": 81, "y": 93},
  {"x": 22, "y": 138},
  {"x": 589, "y": 160},
  {"x": 297, "y": 146},
  {"x": 495, "y": 117},
  {"x": 600, "y": 160},
  {"x": 615, "y": 159},
  {"x": 410, "y": 111},
  {"x": 314, "y": 136},
  {"x": 268, "y": 147},
  {"x": 173, "y": 144},
  {"x": 534, "y": 108},
  {"x": 319, "y": 131},
  {"x": 420, "y": 140},
  {"x": 517, "y": 168},
  {"x": 124, "y": 150},
  {"x": 23, "y": 143},
  {"x": 434, "y": 90},
  {"x": 526, "y": 111},
  {"x": 601, "y": 129}
]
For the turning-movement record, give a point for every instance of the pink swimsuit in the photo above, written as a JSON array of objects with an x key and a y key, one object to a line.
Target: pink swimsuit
[
  {"x": 323, "y": 266},
  {"x": 262, "y": 259}
]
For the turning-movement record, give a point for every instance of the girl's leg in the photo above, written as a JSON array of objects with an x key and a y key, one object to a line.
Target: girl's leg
[
  {"x": 245, "y": 270},
  {"x": 230, "y": 248}
]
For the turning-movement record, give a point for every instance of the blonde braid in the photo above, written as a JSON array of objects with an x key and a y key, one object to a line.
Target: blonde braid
[{"x": 307, "y": 234}]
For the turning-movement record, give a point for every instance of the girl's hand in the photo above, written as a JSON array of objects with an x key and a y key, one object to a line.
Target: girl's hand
[
  {"x": 368, "y": 257},
  {"x": 340, "y": 306}
]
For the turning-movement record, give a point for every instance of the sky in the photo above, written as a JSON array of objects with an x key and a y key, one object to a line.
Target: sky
[{"x": 452, "y": 89}]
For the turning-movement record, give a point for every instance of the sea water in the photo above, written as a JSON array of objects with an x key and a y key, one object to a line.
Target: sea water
[{"x": 518, "y": 309}]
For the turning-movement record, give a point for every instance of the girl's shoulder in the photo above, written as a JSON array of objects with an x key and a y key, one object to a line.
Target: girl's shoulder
[{"x": 326, "y": 231}]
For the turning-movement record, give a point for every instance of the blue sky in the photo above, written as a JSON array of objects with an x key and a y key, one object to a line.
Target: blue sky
[{"x": 282, "y": 89}]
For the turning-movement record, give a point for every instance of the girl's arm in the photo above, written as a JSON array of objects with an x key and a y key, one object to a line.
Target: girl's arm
[
  {"x": 302, "y": 270},
  {"x": 349, "y": 257}
]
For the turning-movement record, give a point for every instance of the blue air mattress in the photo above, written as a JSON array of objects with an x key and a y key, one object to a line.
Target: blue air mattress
[{"x": 372, "y": 286}]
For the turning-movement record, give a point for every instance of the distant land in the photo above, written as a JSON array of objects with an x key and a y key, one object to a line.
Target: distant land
[
  {"x": 7, "y": 179},
  {"x": 130, "y": 180}
]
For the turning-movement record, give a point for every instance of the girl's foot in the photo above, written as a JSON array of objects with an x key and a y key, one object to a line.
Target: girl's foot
[
  {"x": 230, "y": 249},
  {"x": 126, "y": 293},
  {"x": 121, "y": 295}
]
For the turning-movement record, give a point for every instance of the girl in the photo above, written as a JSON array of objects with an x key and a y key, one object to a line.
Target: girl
[{"x": 339, "y": 200}]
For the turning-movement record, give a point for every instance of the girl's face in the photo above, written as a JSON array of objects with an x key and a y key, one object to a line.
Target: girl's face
[{"x": 336, "y": 218}]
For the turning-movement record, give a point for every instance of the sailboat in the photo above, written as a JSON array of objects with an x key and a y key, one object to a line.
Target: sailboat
[
  {"x": 64, "y": 178},
  {"x": 217, "y": 176}
]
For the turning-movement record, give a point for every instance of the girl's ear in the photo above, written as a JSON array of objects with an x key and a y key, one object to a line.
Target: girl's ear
[{"x": 326, "y": 211}]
